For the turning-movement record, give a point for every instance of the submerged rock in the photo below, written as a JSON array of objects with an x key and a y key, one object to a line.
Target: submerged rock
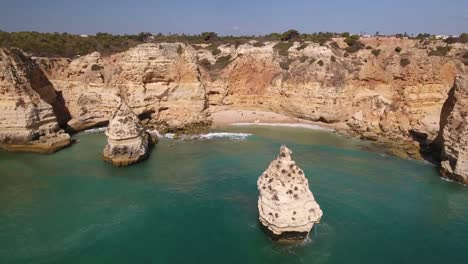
[
  {"x": 286, "y": 206},
  {"x": 29, "y": 107},
  {"x": 454, "y": 133},
  {"x": 127, "y": 140}
]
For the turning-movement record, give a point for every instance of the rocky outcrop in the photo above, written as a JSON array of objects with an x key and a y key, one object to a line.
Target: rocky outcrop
[
  {"x": 287, "y": 208},
  {"x": 160, "y": 82},
  {"x": 454, "y": 133},
  {"x": 127, "y": 140},
  {"x": 29, "y": 106},
  {"x": 388, "y": 96}
]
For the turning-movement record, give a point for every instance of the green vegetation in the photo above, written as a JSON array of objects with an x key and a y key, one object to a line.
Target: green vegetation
[
  {"x": 404, "y": 62},
  {"x": 422, "y": 36},
  {"x": 351, "y": 40},
  {"x": 334, "y": 45},
  {"x": 463, "y": 38},
  {"x": 320, "y": 62},
  {"x": 332, "y": 59},
  {"x": 354, "y": 45},
  {"x": 440, "y": 51},
  {"x": 302, "y": 46},
  {"x": 398, "y": 49},
  {"x": 209, "y": 36},
  {"x": 66, "y": 45},
  {"x": 376, "y": 52},
  {"x": 69, "y": 45},
  {"x": 285, "y": 64},
  {"x": 290, "y": 35},
  {"x": 282, "y": 48},
  {"x": 220, "y": 64},
  {"x": 259, "y": 44}
]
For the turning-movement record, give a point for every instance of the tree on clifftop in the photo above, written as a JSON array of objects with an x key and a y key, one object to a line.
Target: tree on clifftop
[
  {"x": 290, "y": 34},
  {"x": 207, "y": 36}
]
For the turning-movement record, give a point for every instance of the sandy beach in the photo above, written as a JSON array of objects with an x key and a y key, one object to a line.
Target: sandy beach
[{"x": 243, "y": 117}]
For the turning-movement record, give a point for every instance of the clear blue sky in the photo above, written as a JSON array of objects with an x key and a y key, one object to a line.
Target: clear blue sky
[{"x": 234, "y": 17}]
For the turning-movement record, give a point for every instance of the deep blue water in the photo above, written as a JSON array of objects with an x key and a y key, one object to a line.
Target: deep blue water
[{"x": 196, "y": 202}]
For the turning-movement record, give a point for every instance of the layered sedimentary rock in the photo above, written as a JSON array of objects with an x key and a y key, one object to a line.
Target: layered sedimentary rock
[
  {"x": 392, "y": 91},
  {"x": 28, "y": 106},
  {"x": 454, "y": 133},
  {"x": 127, "y": 140},
  {"x": 160, "y": 82},
  {"x": 287, "y": 208},
  {"x": 85, "y": 85}
]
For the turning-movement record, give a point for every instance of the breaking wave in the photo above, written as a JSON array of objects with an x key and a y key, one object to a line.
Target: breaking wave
[
  {"x": 233, "y": 136},
  {"x": 95, "y": 130}
]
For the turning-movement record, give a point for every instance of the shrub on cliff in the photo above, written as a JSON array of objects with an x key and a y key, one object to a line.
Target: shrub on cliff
[
  {"x": 332, "y": 59},
  {"x": 282, "y": 48},
  {"x": 285, "y": 64},
  {"x": 209, "y": 36},
  {"x": 440, "y": 51},
  {"x": 376, "y": 52},
  {"x": 398, "y": 49},
  {"x": 334, "y": 45},
  {"x": 320, "y": 62},
  {"x": 355, "y": 47},
  {"x": 352, "y": 39},
  {"x": 289, "y": 35},
  {"x": 404, "y": 62}
]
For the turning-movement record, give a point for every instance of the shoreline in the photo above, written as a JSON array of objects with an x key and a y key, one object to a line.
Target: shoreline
[{"x": 243, "y": 117}]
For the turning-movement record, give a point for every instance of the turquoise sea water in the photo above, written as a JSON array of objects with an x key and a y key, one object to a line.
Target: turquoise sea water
[{"x": 196, "y": 202}]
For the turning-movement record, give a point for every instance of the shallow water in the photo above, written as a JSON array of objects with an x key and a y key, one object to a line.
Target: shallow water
[{"x": 196, "y": 202}]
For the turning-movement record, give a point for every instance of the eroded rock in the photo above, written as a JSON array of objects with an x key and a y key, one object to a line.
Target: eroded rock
[
  {"x": 454, "y": 133},
  {"x": 287, "y": 208},
  {"x": 28, "y": 120},
  {"x": 127, "y": 140}
]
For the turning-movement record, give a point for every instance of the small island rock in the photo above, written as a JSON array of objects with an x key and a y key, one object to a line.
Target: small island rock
[
  {"x": 127, "y": 140},
  {"x": 287, "y": 208}
]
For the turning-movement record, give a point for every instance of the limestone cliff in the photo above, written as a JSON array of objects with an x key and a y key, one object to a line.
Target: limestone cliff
[
  {"x": 28, "y": 106},
  {"x": 160, "y": 82},
  {"x": 286, "y": 206},
  {"x": 127, "y": 140},
  {"x": 392, "y": 91},
  {"x": 454, "y": 133}
]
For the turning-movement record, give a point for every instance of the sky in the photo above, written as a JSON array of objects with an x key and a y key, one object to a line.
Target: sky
[{"x": 240, "y": 17}]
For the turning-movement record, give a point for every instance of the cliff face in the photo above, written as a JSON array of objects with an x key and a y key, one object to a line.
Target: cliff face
[
  {"x": 454, "y": 133},
  {"x": 376, "y": 93},
  {"x": 28, "y": 106},
  {"x": 160, "y": 82}
]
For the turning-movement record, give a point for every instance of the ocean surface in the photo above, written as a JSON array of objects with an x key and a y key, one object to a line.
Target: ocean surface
[{"x": 195, "y": 201}]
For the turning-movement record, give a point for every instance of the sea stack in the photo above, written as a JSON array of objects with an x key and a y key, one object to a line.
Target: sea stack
[
  {"x": 127, "y": 140},
  {"x": 29, "y": 106},
  {"x": 287, "y": 208},
  {"x": 454, "y": 133}
]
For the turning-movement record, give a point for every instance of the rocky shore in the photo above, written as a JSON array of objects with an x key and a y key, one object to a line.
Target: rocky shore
[{"x": 393, "y": 97}]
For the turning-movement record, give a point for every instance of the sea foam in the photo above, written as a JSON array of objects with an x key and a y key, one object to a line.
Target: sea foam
[
  {"x": 233, "y": 136},
  {"x": 95, "y": 130}
]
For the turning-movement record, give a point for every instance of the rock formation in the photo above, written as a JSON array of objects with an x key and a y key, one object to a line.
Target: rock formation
[
  {"x": 28, "y": 106},
  {"x": 286, "y": 206},
  {"x": 389, "y": 96},
  {"x": 454, "y": 133},
  {"x": 127, "y": 140}
]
